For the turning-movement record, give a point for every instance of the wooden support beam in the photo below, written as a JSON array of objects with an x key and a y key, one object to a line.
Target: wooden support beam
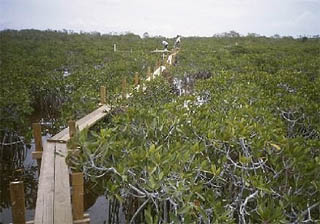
[
  {"x": 136, "y": 79},
  {"x": 77, "y": 196},
  {"x": 36, "y": 155},
  {"x": 36, "y": 127},
  {"x": 103, "y": 94},
  {"x": 72, "y": 128},
  {"x": 17, "y": 202},
  {"x": 124, "y": 88}
]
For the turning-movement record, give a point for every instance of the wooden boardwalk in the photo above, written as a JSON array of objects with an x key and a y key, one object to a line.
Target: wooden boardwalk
[
  {"x": 54, "y": 198},
  {"x": 53, "y": 204}
]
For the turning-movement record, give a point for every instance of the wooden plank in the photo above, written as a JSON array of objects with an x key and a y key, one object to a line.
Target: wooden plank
[
  {"x": 17, "y": 202},
  {"x": 62, "y": 197},
  {"x": 87, "y": 121},
  {"x": 45, "y": 198},
  {"x": 59, "y": 135}
]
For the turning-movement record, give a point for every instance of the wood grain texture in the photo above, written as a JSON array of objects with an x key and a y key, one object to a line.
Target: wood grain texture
[
  {"x": 85, "y": 122},
  {"x": 17, "y": 202},
  {"x": 36, "y": 127},
  {"x": 62, "y": 197},
  {"x": 45, "y": 196},
  {"x": 77, "y": 196}
]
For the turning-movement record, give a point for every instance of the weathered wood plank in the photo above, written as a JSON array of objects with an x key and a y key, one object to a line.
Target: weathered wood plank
[
  {"x": 45, "y": 197},
  {"x": 87, "y": 121},
  {"x": 59, "y": 135},
  {"x": 62, "y": 196}
]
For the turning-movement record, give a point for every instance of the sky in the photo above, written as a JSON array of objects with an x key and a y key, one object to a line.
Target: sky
[{"x": 166, "y": 17}]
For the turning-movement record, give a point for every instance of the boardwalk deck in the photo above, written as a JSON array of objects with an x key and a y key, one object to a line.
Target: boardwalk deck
[
  {"x": 85, "y": 122},
  {"x": 62, "y": 198},
  {"x": 45, "y": 197},
  {"x": 54, "y": 198}
]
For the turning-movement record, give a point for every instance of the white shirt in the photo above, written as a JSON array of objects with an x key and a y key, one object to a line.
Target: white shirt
[{"x": 164, "y": 42}]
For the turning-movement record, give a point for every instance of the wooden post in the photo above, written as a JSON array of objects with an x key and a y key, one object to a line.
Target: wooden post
[
  {"x": 124, "y": 88},
  {"x": 17, "y": 202},
  {"x": 136, "y": 79},
  {"x": 103, "y": 94},
  {"x": 37, "y": 154},
  {"x": 77, "y": 196},
  {"x": 37, "y": 136},
  {"x": 72, "y": 128},
  {"x": 114, "y": 47},
  {"x": 160, "y": 71},
  {"x": 149, "y": 72}
]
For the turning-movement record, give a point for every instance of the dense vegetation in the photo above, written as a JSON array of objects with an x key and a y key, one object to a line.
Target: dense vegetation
[
  {"x": 241, "y": 144},
  {"x": 50, "y": 75}
]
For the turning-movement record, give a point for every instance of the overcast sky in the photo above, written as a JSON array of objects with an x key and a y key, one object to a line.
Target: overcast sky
[{"x": 165, "y": 17}]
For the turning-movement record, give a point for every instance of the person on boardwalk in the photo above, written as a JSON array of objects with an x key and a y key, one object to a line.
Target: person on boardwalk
[
  {"x": 165, "y": 45},
  {"x": 177, "y": 42}
]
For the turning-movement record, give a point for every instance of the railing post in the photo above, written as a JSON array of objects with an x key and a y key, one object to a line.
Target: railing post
[
  {"x": 155, "y": 69},
  {"x": 78, "y": 199},
  {"x": 103, "y": 94},
  {"x": 37, "y": 136},
  {"x": 149, "y": 72},
  {"x": 17, "y": 202},
  {"x": 136, "y": 79},
  {"x": 160, "y": 71},
  {"x": 37, "y": 154},
  {"x": 124, "y": 88},
  {"x": 72, "y": 128}
]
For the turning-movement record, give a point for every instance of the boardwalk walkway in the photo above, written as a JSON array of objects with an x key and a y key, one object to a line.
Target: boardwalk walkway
[{"x": 54, "y": 197}]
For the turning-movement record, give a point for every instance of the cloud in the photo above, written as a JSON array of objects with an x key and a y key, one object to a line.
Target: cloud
[{"x": 166, "y": 17}]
